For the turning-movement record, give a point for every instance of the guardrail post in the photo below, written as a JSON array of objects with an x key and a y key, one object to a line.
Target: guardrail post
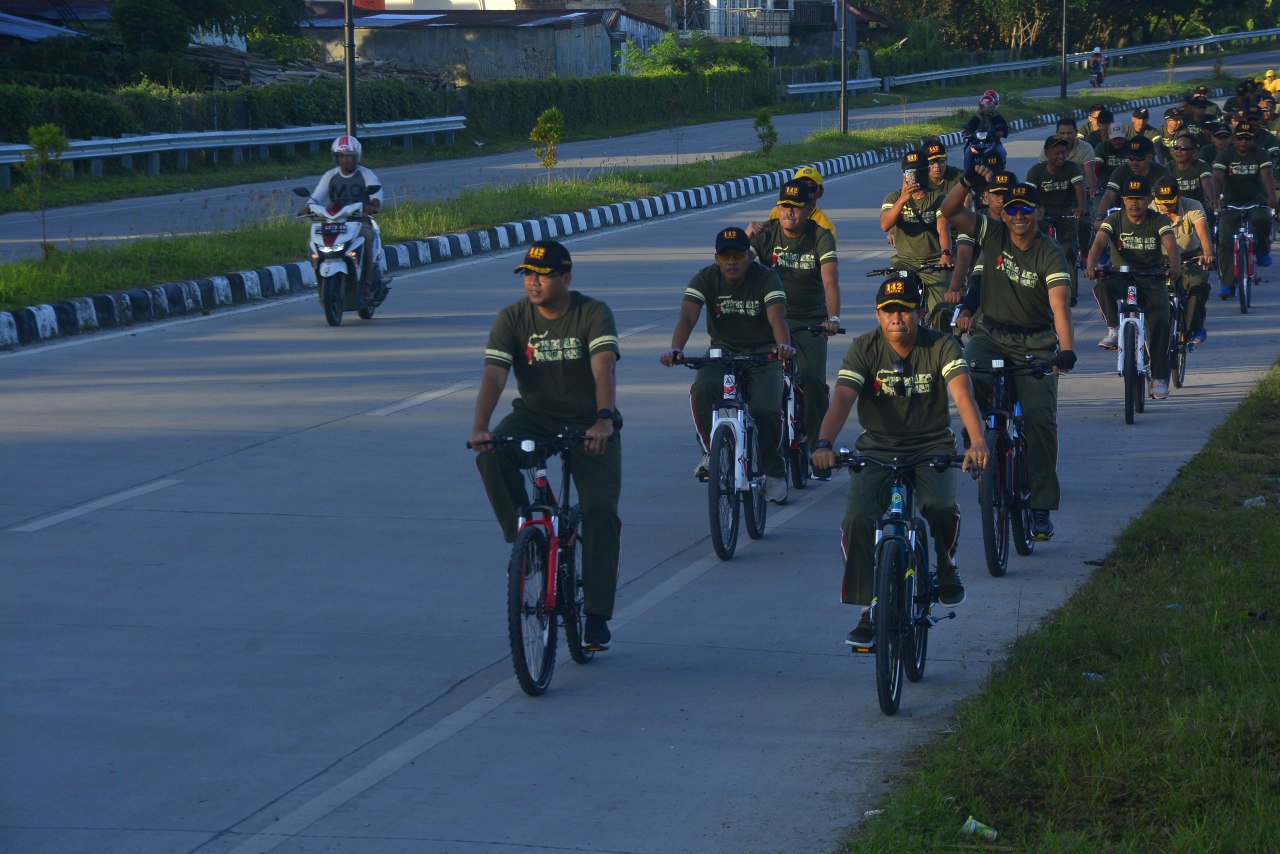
[
  {"x": 448, "y": 137},
  {"x": 408, "y": 142},
  {"x": 153, "y": 163},
  {"x": 182, "y": 159},
  {"x": 289, "y": 149},
  {"x": 95, "y": 167},
  {"x": 264, "y": 153},
  {"x": 237, "y": 155},
  {"x": 6, "y": 176},
  {"x": 313, "y": 147},
  {"x": 126, "y": 161},
  {"x": 886, "y": 83}
]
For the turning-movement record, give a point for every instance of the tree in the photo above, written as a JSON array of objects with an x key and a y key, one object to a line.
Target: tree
[
  {"x": 41, "y": 166},
  {"x": 765, "y": 131},
  {"x": 165, "y": 26},
  {"x": 547, "y": 133}
]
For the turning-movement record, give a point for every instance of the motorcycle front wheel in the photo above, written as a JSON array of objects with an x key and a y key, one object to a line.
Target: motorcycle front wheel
[{"x": 334, "y": 297}]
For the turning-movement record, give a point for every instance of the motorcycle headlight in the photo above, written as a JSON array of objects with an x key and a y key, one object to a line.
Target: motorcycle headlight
[{"x": 335, "y": 249}]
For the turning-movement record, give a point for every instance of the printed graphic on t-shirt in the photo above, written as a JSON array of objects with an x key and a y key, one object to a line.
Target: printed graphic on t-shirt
[{"x": 540, "y": 348}]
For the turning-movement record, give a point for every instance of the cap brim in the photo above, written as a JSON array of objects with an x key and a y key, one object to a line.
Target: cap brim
[
  {"x": 1164, "y": 200},
  {"x": 541, "y": 271},
  {"x": 791, "y": 203},
  {"x": 1132, "y": 195},
  {"x": 909, "y": 306}
]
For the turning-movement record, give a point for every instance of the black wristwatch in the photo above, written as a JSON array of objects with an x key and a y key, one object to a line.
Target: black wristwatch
[
  {"x": 605, "y": 413},
  {"x": 823, "y": 444}
]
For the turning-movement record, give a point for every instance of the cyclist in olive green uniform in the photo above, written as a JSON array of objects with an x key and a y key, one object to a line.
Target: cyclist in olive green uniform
[
  {"x": 1191, "y": 232},
  {"x": 747, "y": 314},
  {"x": 809, "y": 175},
  {"x": 1194, "y": 176},
  {"x": 1026, "y": 308},
  {"x": 1142, "y": 240},
  {"x": 1140, "y": 125},
  {"x": 941, "y": 176},
  {"x": 921, "y": 236},
  {"x": 562, "y": 346},
  {"x": 1061, "y": 187},
  {"x": 899, "y": 375},
  {"x": 1243, "y": 175},
  {"x": 1138, "y": 153},
  {"x": 804, "y": 256}
]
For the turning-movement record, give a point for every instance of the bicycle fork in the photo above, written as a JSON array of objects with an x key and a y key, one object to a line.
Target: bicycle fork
[{"x": 1130, "y": 313}]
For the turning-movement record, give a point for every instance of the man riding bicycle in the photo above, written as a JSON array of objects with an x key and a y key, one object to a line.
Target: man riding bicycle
[
  {"x": 1142, "y": 240},
  {"x": 1191, "y": 232},
  {"x": 747, "y": 313},
  {"x": 921, "y": 236},
  {"x": 562, "y": 346},
  {"x": 1026, "y": 306},
  {"x": 900, "y": 375},
  {"x": 1242, "y": 176},
  {"x": 1061, "y": 186}
]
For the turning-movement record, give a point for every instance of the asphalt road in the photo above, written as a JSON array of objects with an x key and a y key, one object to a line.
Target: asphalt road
[
  {"x": 213, "y": 210},
  {"x": 253, "y": 596}
]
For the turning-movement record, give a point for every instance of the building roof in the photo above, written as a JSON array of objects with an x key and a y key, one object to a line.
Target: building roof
[
  {"x": 44, "y": 10},
  {"x": 469, "y": 18},
  {"x": 28, "y": 30}
]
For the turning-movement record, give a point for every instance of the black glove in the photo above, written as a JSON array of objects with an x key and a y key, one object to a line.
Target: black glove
[
  {"x": 1064, "y": 361},
  {"x": 974, "y": 181}
]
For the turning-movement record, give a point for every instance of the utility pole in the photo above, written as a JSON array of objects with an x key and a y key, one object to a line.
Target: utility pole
[
  {"x": 844, "y": 70},
  {"x": 349, "y": 29},
  {"x": 1062, "y": 89}
]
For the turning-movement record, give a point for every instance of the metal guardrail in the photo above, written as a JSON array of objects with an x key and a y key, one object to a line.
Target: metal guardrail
[
  {"x": 154, "y": 144},
  {"x": 887, "y": 83}
]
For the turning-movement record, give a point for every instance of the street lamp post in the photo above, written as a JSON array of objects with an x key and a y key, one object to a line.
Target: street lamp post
[
  {"x": 1062, "y": 89},
  {"x": 844, "y": 70},
  {"x": 349, "y": 30}
]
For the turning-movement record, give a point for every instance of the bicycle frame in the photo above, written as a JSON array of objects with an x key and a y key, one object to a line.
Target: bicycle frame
[
  {"x": 549, "y": 514},
  {"x": 733, "y": 412},
  {"x": 1131, "y": 312}
]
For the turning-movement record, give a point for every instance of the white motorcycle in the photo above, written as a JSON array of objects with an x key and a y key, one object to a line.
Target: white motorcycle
[{"x": 337, "y": 251}]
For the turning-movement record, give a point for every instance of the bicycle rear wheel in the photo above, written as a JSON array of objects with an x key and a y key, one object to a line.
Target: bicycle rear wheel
[
  {"x": 992, "y": 501},
  {"x": 755, "y": 506},
  {"x": 798, "y": 449},
  {"x": 917, "y": 592},
  {"x": 530, "y": 627},
  {"x": 571, "y": 592},
  {"x": 1020, "y": 500},
  {"x": 1177, "y": 351},
  {"x": 891, "y": 623},
  {"x": 722, "y": 493},
  {"x": 1244, "y": 290},
  {"x": 1132, "y": 390}
]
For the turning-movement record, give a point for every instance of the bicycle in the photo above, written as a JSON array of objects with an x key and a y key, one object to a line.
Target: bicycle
[
  {"x": 905, "y": 588},
  {"x": 794, "y": 439},
  {"x": 1180, "y": 345},
  {"x": 733, "y": 469},
  {"x": 544, "y": 576},
  {"x": 1132, "y": 362},
  {"x": 1004, "y": 487},
  {"x": 1242, "y": 256}
]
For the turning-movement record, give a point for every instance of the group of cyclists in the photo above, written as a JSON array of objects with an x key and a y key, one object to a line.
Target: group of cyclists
[{"x": 976, "y": 251}]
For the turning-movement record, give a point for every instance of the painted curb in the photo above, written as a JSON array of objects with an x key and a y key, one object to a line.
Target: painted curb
[{"x": 172, "y": 299}]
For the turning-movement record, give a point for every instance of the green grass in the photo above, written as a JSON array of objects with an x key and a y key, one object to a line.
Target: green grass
[
  {"x": 1177, "y": 748},
  {"x": 92, "y": 270}
]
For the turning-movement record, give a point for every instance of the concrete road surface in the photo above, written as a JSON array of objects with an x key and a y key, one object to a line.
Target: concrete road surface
[
  {"x": 253, "y": 597},
  {"x": 213, "y": 210}
]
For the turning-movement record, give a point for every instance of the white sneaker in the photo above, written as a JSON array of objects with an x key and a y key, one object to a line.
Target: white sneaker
[
  {"x": 703, "y": 470},
  {"x": 1160, "y": 389},
  {"x": 1111, "y": 341},
  {"x": 775, "y": 489}
]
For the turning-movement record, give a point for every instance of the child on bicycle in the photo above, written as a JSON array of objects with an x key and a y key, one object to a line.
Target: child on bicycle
[{"x": 899, "y": 375}]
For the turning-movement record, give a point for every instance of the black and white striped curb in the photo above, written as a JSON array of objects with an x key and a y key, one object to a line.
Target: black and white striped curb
[{"x": 173, "y": 299}]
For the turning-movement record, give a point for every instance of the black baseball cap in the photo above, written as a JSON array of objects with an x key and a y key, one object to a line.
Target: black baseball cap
[
  {"x": 902, "y": 289},
  {"x": 1166, "y": 190},
  {"x": 1023, "y": 194},
  {"x": 1136, "y": 185},
  {"x": 546, "y": 257},
  {"x": 1001, "y": 182},
  {"x": 1139, "y": 146},
  {"x": 796, "y": 194},
  {"x": 1054, "y": 139},
  {"x": 732, "y": 238}
]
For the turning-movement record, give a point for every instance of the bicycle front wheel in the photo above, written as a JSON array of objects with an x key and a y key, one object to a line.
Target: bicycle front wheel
[
  {"x": 531, "y": 628},
  {"x": 892, "y": 625},
  {"x": 1177, "y": 353},
  {"x": 1020, "y": 500},
  {"x": 722, "y": 492},
  {"x": 992, "y": 501},
  {"x": 916, "y": 589},
  {"x": 570, "y": 591},
  {"x": 1132, "y": 389},
  {"x": 1244, "y": 291},
  {"x": 755, "y": 507}
]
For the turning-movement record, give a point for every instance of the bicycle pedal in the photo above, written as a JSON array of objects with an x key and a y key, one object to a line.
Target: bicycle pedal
[{"x": 862, "y": 650}]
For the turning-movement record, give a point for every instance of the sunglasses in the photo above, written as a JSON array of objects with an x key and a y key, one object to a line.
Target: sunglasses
[
  {"x": 1134, "y": 158},
  {"x": 1015, "y": 209},
  {"x": 1181, "y": 148}
]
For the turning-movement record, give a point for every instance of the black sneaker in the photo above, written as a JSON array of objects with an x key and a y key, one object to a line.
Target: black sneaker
[
  {"x": 951, "y": 589},
  {"x": 1041, "y": 527},
  {"x": 863, "y": 634},
  {"x": 596, "y": 636}
]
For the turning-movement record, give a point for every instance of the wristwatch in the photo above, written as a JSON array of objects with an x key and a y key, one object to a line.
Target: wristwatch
[
  {"x": 835, "y": 318},
  {"x": 604, "y": 413},
  {"x": 822, "y": 444}
]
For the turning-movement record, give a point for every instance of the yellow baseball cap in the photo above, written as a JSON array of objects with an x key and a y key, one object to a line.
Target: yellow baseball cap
[{"x": 808, "y": 173}]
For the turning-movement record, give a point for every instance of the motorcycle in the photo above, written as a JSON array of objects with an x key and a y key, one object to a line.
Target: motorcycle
[
  {"x": 1097, "y": 74},
  {"x": 337, "y": 251},
  {"x": 980, "y": 143}
]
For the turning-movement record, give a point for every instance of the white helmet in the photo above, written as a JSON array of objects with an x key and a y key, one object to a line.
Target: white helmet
[
  {"x": 1097, "y": 50},
  {"x": 345, "y": 145}
]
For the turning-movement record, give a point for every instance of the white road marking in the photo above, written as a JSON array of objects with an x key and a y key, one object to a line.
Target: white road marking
[
  {"x": 283, "y": 828},
  {"x": 97, "y": 504},
  {"x": 424, "y": 397}
]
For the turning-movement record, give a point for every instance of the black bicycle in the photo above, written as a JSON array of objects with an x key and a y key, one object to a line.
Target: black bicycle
[
  {"x": 1004, "y": 487},
  {"x": 905, "y": 588},
  {"x": 794, "y": 439},
  {"x": 544, "y": 577}
]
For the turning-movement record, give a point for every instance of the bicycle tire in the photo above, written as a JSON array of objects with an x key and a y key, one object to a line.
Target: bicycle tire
[
  {"x": 1177, "y": 355},
  {"x": 572, "y": 593},
  {"x": 918, "y": 593},
  {"x": 992, "y": 494},
  {"x": 755, "y": 506},
  {"x": 1130, "y": 371},
  {"x": 1020, "y": 521},
  {"x": 798, "y": 463},
  {"x": 531, "y": 629},
  {"x": 722, "y": 493},
  {"x": 890, "y": 628},
  {"x": 1244, "y": 291}
]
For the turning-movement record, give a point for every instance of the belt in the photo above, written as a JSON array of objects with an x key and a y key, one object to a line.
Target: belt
[{"x": 996, "y": 326}]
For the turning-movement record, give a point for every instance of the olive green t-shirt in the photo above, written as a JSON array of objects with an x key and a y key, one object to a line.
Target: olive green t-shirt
[
  {"x": 1016, "y": 282},
  {"x": 950, "y": 177},
  {"x": 552, "y": 358},
  {"x": 1057, "y": 192},
  {"x": 1137, "y": 246},
  {"x": 1120, "y": 174},
  {"x": 798, "y": 261},
  {"x": 906, "y": 417},
  {"x": 1242, "y": 176},
  {"x": 1110, "y": 158},
  {"x": 1189, "y": 186},
  {"x": 736, "y": 316},
  {"x": 915, "y": 237}
]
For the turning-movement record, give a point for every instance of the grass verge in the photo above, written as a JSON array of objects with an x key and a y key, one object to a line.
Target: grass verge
[
  {"x": 84, "y": 272},
  {"x": 1177, "y": 746}
]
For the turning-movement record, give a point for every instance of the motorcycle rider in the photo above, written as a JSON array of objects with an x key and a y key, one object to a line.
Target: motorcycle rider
[
  {"x": 987, "y": 120},
  {"x": 345, "y": 184}
]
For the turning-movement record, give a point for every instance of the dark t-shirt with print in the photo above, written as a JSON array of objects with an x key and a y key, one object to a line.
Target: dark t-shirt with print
[
  {"x": 1137, "y": 246},
  {"x": 1242, "y": 176},
  {"x": 1189, "y": 186},
  {"x": 915, "y": 236},
  {"x": 736, "y": 317},
  {"x": 552, "y": 358},
  {"x": 1016, "y": 282},
  {"x": 1121, "y": 174},
  {"x": 905, "y": 416},
  {"x": 798, "y": 261},
  {"x": 1057, "y": 192}
]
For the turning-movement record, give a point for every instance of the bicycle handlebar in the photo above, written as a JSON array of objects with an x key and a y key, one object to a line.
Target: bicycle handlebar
[
  {"x": 855, "y": 461},
  {"x": 1036, "y": 369},
  {"x": 561, "y": 442},
  {"x": 815, "y": 329},
  {"x": 923, "y": 268},
  {"x": 727, "y": 359}
]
